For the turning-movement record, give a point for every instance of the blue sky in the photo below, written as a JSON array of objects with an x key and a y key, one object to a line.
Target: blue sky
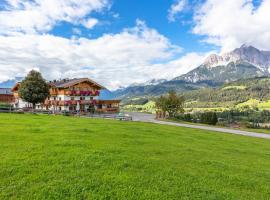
[
  {"x": 120, "y": 42},
  {"x": 124, "y": 13}
]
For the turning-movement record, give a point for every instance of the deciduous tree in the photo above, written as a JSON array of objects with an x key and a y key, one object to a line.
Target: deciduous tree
[
  {"x": 34, "y": 89},
  {"x": 172, "y": 103}
]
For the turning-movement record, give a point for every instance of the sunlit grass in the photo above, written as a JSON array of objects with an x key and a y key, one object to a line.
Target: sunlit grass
[{"x": 54, "y": 157}]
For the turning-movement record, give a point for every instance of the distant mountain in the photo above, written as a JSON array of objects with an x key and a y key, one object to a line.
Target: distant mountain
[
  {"x": 162, "y": 88},
  {"x": 243, "y": 62},
  {"x": 223, "y": 73},
  {"x": 150, "y": 82},
  {"x": 10, "y": 83},
  {"x": 250, "y": 54}
]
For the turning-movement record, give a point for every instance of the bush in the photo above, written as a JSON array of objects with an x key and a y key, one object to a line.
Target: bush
[
  {"x": 187, "y": 117},
  {"x": 209, "y": 118}
]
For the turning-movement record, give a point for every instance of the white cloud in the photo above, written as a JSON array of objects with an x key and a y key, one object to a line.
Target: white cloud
[
  {"x": 175, "y": 9},
  {"x": 231, "y": 23},
  {"x": 31, "y": 16},
  {"x": 112, "y": 59},
  {"x": 90, "y": 23},
  {"x": 177, "y": 67},
  {"x": 134, "y": 55}
]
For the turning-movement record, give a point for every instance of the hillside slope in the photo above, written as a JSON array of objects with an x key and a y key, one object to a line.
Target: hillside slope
[
  {"x": 162, "y": 88},
  {"x": 231, "y": 94}
]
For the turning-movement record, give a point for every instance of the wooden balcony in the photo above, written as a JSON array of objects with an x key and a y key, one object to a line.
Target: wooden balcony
[
  {"x": 7, "y": 98},
  {"x": 69, "y": 102},
  {"x": 75, "y": 93}
]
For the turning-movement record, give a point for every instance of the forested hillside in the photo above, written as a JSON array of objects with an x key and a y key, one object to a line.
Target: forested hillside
[
  {"x": 246, "y": 93},
  {"x": 239, "y": 91}
]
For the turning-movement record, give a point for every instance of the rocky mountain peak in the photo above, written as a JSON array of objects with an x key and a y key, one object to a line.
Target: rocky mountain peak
[
  {"x": 246, "y": 53},
  {"x": 243, "y": 62},
  {"x": 213, "y": 60}
]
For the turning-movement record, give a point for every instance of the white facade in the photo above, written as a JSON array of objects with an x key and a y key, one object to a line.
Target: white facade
[
  {"x": 69, "y": 98},
  {"x": 19, "y": 103}
]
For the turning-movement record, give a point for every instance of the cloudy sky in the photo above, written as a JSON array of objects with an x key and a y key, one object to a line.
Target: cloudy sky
[{"x": 119, "y": 42}]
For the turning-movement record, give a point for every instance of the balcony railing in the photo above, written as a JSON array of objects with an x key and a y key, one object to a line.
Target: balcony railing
[
  {"x": 70, "y": 102},
  {"x": 76, "y": 93}
]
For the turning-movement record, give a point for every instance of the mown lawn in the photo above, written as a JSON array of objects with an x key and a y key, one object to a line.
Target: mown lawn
[{"x": 55, "y": 157}]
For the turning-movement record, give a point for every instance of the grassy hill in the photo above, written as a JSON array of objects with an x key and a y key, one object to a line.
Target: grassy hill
[
  {"x": 55, "y": 157},
  {"x": 253, "y": 93},
  {"x": 235, "y": 94}
]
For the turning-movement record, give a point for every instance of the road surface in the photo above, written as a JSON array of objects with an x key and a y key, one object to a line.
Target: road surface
[{"x": 151, "y": 118}]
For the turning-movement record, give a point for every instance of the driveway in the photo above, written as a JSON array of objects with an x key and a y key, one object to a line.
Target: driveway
[{"x": 151, "y": 118}]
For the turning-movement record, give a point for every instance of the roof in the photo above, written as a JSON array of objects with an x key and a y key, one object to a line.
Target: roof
[
  {"x": 65, "y": 83},
  {"x": 5, "y": 91},
  {"x": 16, "y": 87}
]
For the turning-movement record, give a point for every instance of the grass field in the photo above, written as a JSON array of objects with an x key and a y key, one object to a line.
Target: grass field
[
  {"x": 148, "y": 107},
  {"x": 55, "y": 157}
]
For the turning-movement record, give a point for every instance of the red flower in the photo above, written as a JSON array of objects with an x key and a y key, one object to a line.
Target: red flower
[
  {"x": 97, "y": 93},
  {"x": 73, "y": 92}
]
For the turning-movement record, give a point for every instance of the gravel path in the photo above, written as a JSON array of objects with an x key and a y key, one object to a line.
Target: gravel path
[{"x": 151, "y": 118}]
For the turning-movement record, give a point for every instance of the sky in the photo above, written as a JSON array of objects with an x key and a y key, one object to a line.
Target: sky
[{"x": 120, "y": 42}]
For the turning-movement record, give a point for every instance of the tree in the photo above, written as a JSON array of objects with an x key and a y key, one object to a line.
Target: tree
[
  {"x": 34, "y": 89},
  {"x": 172, "y": 103},
  {"x": 209, "y": 118}
]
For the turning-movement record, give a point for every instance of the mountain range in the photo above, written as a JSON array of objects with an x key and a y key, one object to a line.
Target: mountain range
[
  {"x": 241, "y": 63},
  {"x": 10, "y": 83}
]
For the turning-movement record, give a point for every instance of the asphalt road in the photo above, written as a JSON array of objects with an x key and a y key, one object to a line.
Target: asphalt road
[{"x": 151, "y": 118}]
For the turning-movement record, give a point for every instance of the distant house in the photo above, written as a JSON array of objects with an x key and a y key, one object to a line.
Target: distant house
[
  {"x": 71, "y": 95},
  {"x": 6, "y": 95}
]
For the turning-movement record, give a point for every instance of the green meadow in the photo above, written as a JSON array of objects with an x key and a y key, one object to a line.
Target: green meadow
[{"x": 57, "y": 157}]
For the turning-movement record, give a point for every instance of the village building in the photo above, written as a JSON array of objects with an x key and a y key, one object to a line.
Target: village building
[
  {"x": 72, "y": 95},
  {"x": 6, "y": 96}
]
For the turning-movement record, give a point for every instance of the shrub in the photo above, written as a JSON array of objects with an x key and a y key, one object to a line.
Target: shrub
[
  {"x": 209, "y": 118},
  {"x": 187, "y": 117}
]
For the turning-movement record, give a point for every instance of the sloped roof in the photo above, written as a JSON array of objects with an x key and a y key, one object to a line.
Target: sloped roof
[
  {"x": 16, "y": 87},
  {"x": 65, "y": 83}
]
